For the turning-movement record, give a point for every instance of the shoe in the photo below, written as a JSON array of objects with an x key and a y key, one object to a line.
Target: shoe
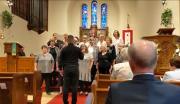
[
  {"x": 81, "y": 92},
  {"x": 60, "y": 92},
  {"x": 86, "y": 93}
]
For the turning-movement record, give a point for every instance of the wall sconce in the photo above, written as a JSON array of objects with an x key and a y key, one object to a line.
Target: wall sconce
[
  {"x": 9, "y": 3},
  {"x": 1, "y": 35},
  {"x": 163, "y": 2}
]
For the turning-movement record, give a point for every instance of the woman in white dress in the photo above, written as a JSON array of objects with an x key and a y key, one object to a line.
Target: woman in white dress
[
  {"x": 116, "y": 39},
  {"x": 85, "y": 66}
]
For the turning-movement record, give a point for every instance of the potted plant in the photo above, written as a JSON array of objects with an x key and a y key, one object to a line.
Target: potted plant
[
  {"x": 166, "y": 17},
  {"x": 6, "y": 19}
]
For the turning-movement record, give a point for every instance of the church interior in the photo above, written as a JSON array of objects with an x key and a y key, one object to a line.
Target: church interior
[{"x": 30, "y": 25}]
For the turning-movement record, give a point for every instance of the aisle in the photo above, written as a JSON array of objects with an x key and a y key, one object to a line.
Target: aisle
[{"x": 58, "y": 99}]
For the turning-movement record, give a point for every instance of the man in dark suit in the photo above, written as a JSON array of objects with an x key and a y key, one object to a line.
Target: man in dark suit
[
  {"x": 144, "y": 88},
  {"x": 69, "y": 61},
  {"x": 58, "y": 43}
]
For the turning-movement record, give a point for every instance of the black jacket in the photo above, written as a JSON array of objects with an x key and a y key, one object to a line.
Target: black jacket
[
  {"x": 143, "y": 89},
  {"x": 69, "y": 55}
]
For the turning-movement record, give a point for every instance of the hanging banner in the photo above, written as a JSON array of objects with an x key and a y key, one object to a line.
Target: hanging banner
[
  {"x": 13, "y": 49},
  {"x": 127, "y": 36}
]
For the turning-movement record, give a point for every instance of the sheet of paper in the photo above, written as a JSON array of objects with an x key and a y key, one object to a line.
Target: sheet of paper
[
  {"x": 26, "y": 80},
  {"x": 3, "y": 86}
]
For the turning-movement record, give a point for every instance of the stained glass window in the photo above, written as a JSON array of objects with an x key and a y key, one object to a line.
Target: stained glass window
[
  {"x": 84, "y": 15},
  {"x": 104, "y": 15},
  {"x": 94, "y": 12}
]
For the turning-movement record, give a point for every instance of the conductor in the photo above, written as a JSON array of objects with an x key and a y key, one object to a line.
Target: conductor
[{"x": 68, "y": 60}]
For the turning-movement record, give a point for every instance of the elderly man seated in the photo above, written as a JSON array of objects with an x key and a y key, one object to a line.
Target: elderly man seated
[
  {"x": 144, "y": 88},
  {"x": 174, "y": 73},
  {"x": 122, "y": 70}
]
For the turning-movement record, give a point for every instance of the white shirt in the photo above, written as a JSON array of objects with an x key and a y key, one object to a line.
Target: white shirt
[
  {"x": 172, "y": 75},
  {"x": 101, "y": 43},
  {"x": 116, "y": 42},
  {"x": 122, "y": 71}
]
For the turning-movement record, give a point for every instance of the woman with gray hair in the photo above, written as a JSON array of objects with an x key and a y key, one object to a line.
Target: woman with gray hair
[
  {"x": 85, "y": 66},
  {"x": 119, "y": 56},
  {"x": 104, "y": 64},
  {"x": 45, "y": 64},
  {"x": 122, "y": 70}
]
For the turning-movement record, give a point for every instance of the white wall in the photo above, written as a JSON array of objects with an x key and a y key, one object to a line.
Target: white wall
[
  {"x": 148, "y": 13},
  {"x": 30, "y": 39},
  {"x": 175, "y": 6},
  {"x": 65, "y": 17}
]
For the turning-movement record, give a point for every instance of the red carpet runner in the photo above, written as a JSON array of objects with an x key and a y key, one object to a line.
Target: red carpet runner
[{"x": 58, "y": 99}]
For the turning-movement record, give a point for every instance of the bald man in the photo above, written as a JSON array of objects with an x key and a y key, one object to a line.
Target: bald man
[{"x": 143, "y": 88}]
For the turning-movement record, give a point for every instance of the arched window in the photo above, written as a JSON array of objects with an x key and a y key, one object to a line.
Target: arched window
[
  {"x": 104, "y": 15},
  {"x": 84, "y": 15},
  {"x": 94, "y": 12}
]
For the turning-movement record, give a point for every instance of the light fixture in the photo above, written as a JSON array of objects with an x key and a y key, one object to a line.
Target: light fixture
[
  {"x": 9, "y": 3},
  {"x": 1, "y": 34},
  {"x": 163, "y": 2}
]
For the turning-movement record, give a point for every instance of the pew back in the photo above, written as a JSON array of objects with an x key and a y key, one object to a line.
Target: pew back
[
  {"x": 174, "y": 82},
  {"x": 31, "y": 83},
  {"x": 100, "y": 88},
  {"x": 12, "y": 90},
  {"x": 102, "y": 76}
]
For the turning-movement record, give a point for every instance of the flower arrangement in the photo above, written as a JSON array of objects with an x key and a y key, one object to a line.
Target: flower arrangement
[
  {"x": 7, "y": 19},
  {"x": 166, "y": 17}
]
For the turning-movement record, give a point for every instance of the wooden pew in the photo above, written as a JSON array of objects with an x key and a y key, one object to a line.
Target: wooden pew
[
  {"x": 12, "y": 90},
  {"x": 174, "y": 82},
  {"x": 102, "y": 76},
  {"x": 100, "y": 88},
  {"x": 158, "y": 77},
  {"x": 31, "y": 83}
]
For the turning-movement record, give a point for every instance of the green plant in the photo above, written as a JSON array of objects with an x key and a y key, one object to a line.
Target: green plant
[
  {"x": 6, "y": 19},
  {"x": 166, "y": 17}
]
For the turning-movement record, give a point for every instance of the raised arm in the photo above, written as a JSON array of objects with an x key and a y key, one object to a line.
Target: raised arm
[{"x": 81, "y": 55}]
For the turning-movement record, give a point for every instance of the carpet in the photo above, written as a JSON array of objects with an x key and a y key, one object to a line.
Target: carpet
[{"x": 81, "y": 99}]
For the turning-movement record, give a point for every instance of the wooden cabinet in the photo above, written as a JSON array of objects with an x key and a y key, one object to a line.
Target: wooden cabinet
[
  {"x": 166, "y": 49},
  {"x": 34, "y": 11},
  {"x": 93, "y": 30},
  {"x": 15, "y": 63}
]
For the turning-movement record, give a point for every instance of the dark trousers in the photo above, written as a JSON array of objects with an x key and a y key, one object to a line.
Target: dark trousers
[
  {"x": 71, "y": 77},
  {"x": 93, "y": 72},
  {"x": 54, "y": 76},
  {"x": 104, "y": 69},
  {"x": 47, "y": 78},
  {"x": 60, "y": 80},
  {"x": 84, "y": 86}
]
